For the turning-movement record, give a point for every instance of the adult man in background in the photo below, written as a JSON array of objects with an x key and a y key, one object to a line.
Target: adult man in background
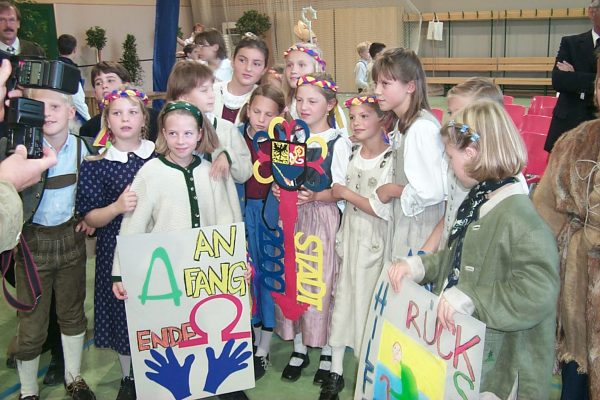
[
  {"x": 573, "y": 77},
  {"x": 10, "y": 22}
]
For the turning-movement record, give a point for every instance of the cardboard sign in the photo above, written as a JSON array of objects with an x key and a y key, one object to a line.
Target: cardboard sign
[
  {"x": 188, "y": 311},
  {"x": 406, "y": 354}
]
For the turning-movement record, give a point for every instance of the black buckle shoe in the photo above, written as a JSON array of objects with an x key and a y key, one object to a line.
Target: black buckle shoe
[
  {"x": 79, "y": 390},
  {"x": 331, "y": 387},
  {"x": 56, "y": 372},
  {"x": 322, "y": 374},
  {"x": 32, "y": 397},
  {"x": 127, "y": 389},
  {"x": 261, "y": 364},
  {"x": 292, "y": 373}
]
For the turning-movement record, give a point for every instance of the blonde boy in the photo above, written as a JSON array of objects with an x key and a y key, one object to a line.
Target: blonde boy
[
  {"x": 360, "y": 70},
  {"x": 57, "y": 242}
]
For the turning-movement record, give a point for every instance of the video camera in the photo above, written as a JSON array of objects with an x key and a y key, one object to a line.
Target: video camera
[{"x": 25, "y": 117}]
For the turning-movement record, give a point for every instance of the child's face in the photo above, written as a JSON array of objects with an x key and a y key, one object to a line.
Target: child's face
[
  {"x": 208, "y": 52},
  {"x": 394, "y": 95},
  {"x": 106, "y": 83},
  {"x": 365, "y": 54},
  {"x": 182, "y": 136},
  {"x": 249, "y": 66},
  {"x": 459, "y": 160},
  {"x": 195, "y": 54},
  {"x": 312, "y": 106},
  {"x": 261, "y": 112},
  {"x": 125, "y": 119},
  {"x": 57, "y": 112},
  {"x": 202, "y": 96},
  {"x": 365, "y": 122},
  {"x": 456, "y": 103},
  {"x": 298, "y": 64}
]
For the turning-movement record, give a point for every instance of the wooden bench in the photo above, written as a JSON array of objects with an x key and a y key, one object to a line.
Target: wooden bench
[{"x": 495, "y": 68}]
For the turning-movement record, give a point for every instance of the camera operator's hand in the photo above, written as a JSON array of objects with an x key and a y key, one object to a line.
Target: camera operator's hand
[
  {"x": 5, "y": 70},
  {"x": 21, "y": 172}
]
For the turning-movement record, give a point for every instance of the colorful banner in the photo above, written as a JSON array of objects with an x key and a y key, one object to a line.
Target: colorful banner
[
  {"x": 406, "y": 354},
  {"x": 188, "y": 312}
]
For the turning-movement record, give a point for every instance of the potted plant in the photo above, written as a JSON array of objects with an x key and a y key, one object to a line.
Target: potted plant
[
  {"x": 253, "y": 21},
  {"x": 131, "y": 61},
  {"x": 96, "y": 38}
]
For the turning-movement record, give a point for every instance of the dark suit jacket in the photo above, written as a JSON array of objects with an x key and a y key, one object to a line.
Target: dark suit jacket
[
  {"x": 91, "y": 127},
  {"x": 570, "y": 109},
  {"x": 31, "y": 49}
]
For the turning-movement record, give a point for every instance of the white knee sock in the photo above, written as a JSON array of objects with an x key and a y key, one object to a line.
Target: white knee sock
[
  {"x": 72, "y": 349},
  {"x": 299, "y": 347},
  {"x": 325, "y": 351},
  {"x": 337, "y": 359},
  {"x": 264, "y": 347},
  {"x": 256, "y": 329},
  {"x": 28, "y": 376},
  {"x": 125, "y": 362}
]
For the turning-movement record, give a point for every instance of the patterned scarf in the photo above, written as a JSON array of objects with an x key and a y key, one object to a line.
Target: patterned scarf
[{"x": 467, "y": 213}]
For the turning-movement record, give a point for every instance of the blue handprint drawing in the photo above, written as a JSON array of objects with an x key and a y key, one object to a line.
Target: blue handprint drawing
[
  {"x": 219, "y": 368},
  {"x": 169, "y": 374}
]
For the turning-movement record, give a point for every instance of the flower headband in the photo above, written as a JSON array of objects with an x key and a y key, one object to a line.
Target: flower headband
[
  {"x": 310, "y": 52},
  {"x": 184, "y": 105},
  {"x": 103, "y": 137},
  {"x": 465, "y": 129},
  {"x": 117, "y": 94},
  {"x": 358, "y": 100},
  {"x": 324, "y": 83}
]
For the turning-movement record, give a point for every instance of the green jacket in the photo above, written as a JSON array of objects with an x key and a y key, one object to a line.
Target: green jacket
[{"x": 509, "y": 270}]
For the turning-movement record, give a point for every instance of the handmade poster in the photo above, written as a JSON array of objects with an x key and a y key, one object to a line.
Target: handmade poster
[
  {"x": 292, "y": 167},
  {"x": 188, "y": 311},
  {"x": 407, "y": 355}
]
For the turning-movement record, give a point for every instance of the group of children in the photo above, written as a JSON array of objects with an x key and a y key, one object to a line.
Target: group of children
[{"x": 386, "y": 184}]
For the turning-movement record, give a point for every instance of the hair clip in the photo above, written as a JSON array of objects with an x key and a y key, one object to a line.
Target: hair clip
[
  {"x": 465, "y": 129},
  {"x": 358, "y": 100},
  {"x": 250, "y": 35},
  {"x": 311, "y": 80}
]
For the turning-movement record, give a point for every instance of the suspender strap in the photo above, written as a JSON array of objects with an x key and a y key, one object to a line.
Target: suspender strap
[{"x": 35, "y": 285}]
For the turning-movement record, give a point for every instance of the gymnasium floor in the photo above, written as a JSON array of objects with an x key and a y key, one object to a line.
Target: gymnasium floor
[{"x": 102, "y": 372}]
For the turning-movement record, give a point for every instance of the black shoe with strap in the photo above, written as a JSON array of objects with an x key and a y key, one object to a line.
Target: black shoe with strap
[
  {"x": 331, "y": 387},
  {"x": 321, "y": 374},
  {"x": 127, "y": 389},
  {"x": 79, "y": 390},
  {"x": 292, "y": 373},
  {"x": 240, "y": 395},
  {"x": 32, "y": 397}
]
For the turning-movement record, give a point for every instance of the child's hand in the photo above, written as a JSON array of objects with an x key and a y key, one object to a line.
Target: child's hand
[
  {"x": 83, "y": 227},
  {"x": 445, "y": 314},
  {"x": 119, "y": 291},
  {"x": 397, "y": 272},
  {"x": 338, "y": 191},
  {"x": 248, "y": 274},
  {"x": 389, "y": 191},
  {"x": 126, "y": 201},
  {"x": 276, "y": 191},
  {"x": 220, "y": 167},
  {"x": 306, "y": 196},
  {"x": 353, "y": 139}
]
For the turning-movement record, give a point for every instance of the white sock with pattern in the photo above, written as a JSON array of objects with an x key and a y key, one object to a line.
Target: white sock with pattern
[
  {"x": 28, "y": 376},
  {"x": 72, "y": 350},
  {"x": 299, "y": 347}
]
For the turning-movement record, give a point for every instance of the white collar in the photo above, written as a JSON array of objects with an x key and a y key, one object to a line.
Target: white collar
[
  {"x": 595, "y": 37},
  {"x": 502, "y": 194},
  {"x": 232, "y": 101},
  {"x": 144, "y": 151},
  {"x": 16, "y": 45}
]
